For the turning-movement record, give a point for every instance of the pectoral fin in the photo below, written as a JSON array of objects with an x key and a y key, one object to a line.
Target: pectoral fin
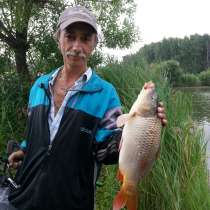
[{"x": 122, "y": 119}]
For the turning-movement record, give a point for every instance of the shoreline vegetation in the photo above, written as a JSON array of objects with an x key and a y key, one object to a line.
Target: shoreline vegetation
[
  {"x": 185, "y": 62},
  {"x": 179, "y": 178},
  {"x": 188, "y": 87}
]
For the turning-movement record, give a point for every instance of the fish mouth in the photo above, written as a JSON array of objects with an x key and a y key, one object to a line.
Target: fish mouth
[
  {"x": 149, "y": 85},
  {"x": 151, "y": 95},
  {"x": 150, "y": 90}
]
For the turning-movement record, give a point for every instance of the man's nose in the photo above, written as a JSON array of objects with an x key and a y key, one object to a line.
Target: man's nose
[{"x": 77, "y": 45}]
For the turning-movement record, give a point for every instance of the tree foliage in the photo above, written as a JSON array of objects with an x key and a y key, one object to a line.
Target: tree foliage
[
  {"x": 171, "y": 69},
  {"x": 27, "y": 27},
  {"x": 189, "y": 79},
  {"x": 193, "y": 53},
  {"x": 204, "y": 76},
  {"x": 18, "y": 26}
]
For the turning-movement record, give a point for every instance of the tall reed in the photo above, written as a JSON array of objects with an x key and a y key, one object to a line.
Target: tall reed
[{"x": 179, "y": 178}]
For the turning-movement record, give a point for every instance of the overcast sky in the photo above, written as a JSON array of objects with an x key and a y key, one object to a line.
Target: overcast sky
[
  {"x": 172, "y": 18},
  {"x": 158, "y": 19}
]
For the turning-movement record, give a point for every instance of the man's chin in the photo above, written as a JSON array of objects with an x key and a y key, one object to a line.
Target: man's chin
[{"x": 76, "y": 62}]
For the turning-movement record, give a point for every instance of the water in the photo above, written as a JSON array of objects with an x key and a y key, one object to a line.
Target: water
[{"x": 201, "y": 112}]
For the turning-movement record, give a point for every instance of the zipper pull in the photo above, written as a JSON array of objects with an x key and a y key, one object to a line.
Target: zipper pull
[
  {"x": 49, "y": 149},
  {"x": 13, "y": 183}
]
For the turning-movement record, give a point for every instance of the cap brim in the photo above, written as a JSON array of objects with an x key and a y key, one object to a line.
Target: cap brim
[{"x": 75, "y": 20}]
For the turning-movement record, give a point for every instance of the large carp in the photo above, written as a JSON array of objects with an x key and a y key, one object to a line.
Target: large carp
[{"x": 140, "y": 145}]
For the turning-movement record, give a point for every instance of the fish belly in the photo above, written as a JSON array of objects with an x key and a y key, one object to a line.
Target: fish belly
[{"x": 140, "y": 145}]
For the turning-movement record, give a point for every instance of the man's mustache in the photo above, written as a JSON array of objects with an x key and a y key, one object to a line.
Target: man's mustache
[{"x": 75, "y": 54}]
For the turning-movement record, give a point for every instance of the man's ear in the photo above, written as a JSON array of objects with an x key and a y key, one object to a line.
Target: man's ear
[
  {"x": 59, "y": 45},
  {"x": 96, "y": 41},
  {"x": 59, "y": 39}
]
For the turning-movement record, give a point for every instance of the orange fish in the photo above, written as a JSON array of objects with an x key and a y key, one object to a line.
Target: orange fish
[{"x": 140, "y": 145}]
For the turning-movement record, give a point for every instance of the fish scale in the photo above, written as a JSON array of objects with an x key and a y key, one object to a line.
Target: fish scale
[{"x": 139, "y": 145}]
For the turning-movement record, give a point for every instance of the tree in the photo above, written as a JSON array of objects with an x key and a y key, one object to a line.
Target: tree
[
  {"x": 193, "y": 53},
  {"x": 25, "y": 23},
  {"x": 171, "y": 69},
  {"x": 15, "y": 17}
]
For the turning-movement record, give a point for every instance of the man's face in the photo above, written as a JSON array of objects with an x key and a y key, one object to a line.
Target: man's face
[{"x": 76, "y": 43}]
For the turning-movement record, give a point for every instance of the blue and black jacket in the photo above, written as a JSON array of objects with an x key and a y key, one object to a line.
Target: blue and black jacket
[{"x": 60, "y": 175}]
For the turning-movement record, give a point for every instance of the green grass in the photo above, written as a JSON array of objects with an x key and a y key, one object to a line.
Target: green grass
[
  {"x": 179, "y": 178},
  {"x": 13, "y": 108}
]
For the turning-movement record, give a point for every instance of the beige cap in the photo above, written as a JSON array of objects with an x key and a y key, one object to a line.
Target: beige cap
[{"x": 76, "y": 14}]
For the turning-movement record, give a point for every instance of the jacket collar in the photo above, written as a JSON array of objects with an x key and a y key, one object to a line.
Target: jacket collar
[{"x": 93, "y": 85}]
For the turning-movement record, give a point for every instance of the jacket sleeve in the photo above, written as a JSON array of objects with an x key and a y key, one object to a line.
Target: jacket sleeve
[
  {"x": 23, "y": 143},
  {"x": 108, "y": 151},
  {"x": 108, "y": 136}
]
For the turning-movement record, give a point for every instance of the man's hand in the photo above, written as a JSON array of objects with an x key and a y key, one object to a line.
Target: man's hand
[
  {"x": 161, "y": 114},
  {"x": 15, "y": 159}
]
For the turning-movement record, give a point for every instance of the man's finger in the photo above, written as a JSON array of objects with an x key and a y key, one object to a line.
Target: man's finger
[
  {"x": 164, "y": 122},
  {"x": 161, "y": 104},
  {"x": 161, "y": 115},
  {"x": 161, "y": 110}
]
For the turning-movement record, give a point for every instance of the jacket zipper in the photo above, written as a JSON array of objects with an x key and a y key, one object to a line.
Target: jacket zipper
[{"x": 48, "y": 111}]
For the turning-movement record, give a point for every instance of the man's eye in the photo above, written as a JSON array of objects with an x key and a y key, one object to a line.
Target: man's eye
[
  {"x": 70, "y": 37},
  {"x": 86, "y": 38}
]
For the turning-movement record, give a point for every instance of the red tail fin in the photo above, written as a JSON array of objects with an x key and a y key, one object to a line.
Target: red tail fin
[
  {"x": 127, "y": 196},
  {"x": 120, "y": 200}
]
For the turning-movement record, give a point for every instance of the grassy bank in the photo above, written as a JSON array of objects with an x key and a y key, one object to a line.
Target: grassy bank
[{"x": 179, "y": 179}]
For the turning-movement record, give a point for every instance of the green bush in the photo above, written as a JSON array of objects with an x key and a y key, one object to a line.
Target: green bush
[
  {"x": 171, "y": 69},
  {"x": 13, "y": 107},
  {"x": 5, "y": 63},
  {"x": 190, "y": 80},
  {"x": 205, "y": 77}
]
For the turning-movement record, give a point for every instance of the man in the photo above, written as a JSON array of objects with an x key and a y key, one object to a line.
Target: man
[{"x": 71, "y": 125}]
